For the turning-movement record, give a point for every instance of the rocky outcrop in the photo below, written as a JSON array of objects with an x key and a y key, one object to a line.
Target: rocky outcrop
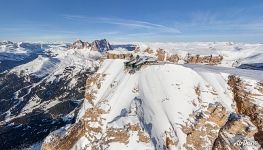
[
  {"x": 101, "y": 45},
  {"x": 112, "y": 55},
  {"x": 245, "y": 103},
  {"x": 148, "y": 50},
  {"x": 205, "y": 130},
  {"x": 88, "y": 125},
  {"x": 197, "y": 59},
  {"x": 79, "y": 45},
  {"x": 160, "y": 54},
  {"x": 237, "y": 133},
  {"x": 173, "y": 58},
  {"x": 240, "y": 130},
  {"x": 93, "y": 127},
  {"x": 97, "y": 45}
]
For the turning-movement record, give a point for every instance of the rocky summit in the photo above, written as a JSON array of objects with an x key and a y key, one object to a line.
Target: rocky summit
[{"x": 97, "y": 45}]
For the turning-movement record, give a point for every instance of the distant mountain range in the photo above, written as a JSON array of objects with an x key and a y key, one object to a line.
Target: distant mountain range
[{"x": 97, "y": 45}]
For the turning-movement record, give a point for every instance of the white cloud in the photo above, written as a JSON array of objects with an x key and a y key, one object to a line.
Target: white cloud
[{"x": 137, "y": 24}]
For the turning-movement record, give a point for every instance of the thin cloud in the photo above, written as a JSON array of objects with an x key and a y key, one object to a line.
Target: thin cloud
[
  {"x": 202, "y": 23},
  {"x": 136, "y": 24},
  {"x": 109, "y": 33},
  {"x": 34, "y": 29}
]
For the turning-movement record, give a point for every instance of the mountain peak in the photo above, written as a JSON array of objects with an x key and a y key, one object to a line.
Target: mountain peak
[
  {"x": 79, "y": 45},
  {"x": 97, "y": 45},
  {"x": 101, "y": 45}
]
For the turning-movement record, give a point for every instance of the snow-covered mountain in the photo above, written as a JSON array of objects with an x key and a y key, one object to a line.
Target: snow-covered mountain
[
  {"x": 157, "y": 96},
  {"x": 41, "y": 88},
  {"x": 97, "y": 45}
]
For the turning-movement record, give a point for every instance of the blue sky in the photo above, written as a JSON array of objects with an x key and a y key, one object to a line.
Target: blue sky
[{"x": 132, "y": 20}]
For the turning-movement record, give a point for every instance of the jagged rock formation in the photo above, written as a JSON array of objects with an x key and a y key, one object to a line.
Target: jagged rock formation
[
  {"x": 79, "y": 45},
  {"x": 162, "y": 105},
  {"x": 101, "y": 45},
  {"x": 161, "y": 55},
  {"x": 204, "y": 132},
  {"x": 97, "y": 45},
  {"x": 118, "y": 55},
  {"x": 197, "y": 59},
  {"x": 173, "y": 58},
  {"x": 237, "y": 133},
  {"x": 246, "y": 102}
]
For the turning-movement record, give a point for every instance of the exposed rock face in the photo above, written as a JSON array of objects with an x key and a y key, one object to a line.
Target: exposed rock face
[
  {"x": 160, "y": 54},
  {"x": 101, "y": 45},
  {"x": 237, "y": 133},
  {"x": 245, "y": 104},
  {"x": 93, "y": 126},
  {"x": 197, "y": 59},
  {"x": 205, "y": 130},
  {"x": 110, "y": 55},
  {"x": 97, "y": 45},
  {"x": 189, "y": 59},
  {"x": 148, "y": 50},
  {"x": 82, "y": 128},
  {"x": 173, "y": 58},
  {"x": 79, "y": 45}
]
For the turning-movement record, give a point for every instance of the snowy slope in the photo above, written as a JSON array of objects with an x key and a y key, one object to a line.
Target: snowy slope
[
  {"x": 164, "y": 101},
  {"x": 189, "y": 99},
  {"x": 42, "y": 91},
  {"x": 234, "y": 54}
]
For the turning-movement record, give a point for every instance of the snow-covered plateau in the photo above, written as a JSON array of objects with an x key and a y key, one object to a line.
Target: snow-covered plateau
[{"x": 193, "y": 96}]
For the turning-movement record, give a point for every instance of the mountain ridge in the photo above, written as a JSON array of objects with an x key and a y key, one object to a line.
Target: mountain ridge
[
  {"x": 76, "y": 97},
  {"x": 97, "y": 45}
]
